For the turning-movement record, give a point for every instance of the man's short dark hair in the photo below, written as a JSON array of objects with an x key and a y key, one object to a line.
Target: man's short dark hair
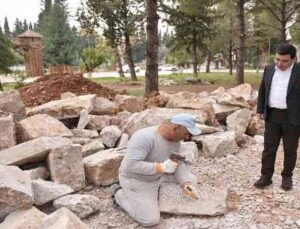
[{"x": 287, "y": 49}]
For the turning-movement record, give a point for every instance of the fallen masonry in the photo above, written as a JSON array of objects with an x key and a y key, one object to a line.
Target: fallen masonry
[{"x": 58, "y": 176}]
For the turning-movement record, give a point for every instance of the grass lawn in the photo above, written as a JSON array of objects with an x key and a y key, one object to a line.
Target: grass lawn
[
  {"x": 215, "y": 78},
  {"x": 8, "y": 86},
  {"x": 220, "y": 79},
  {"x": 224, "y": 79}
]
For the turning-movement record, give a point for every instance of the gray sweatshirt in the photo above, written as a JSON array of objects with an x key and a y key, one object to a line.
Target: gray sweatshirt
[{"x": 145, "y": 148}]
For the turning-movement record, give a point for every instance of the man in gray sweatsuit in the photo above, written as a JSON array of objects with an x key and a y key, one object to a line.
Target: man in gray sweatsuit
[{"x": 147, "y": 165}]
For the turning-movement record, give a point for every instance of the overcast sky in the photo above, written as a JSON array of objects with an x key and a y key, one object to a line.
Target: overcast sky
[{"x": 29, "y": 10}]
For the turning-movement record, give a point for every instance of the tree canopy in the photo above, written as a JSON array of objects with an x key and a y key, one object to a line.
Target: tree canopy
[{"x": 59, "y": 38}]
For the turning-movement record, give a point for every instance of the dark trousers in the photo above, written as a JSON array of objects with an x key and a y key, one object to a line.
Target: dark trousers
[{"x": 278, "y": 126}]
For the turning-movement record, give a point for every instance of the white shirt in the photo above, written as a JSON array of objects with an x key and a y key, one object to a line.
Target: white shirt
[{"x": 279, "y": 86}]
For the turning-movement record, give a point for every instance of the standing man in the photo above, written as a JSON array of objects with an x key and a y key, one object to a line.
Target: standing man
[
  {"x": 279, "y": 103},
  {"x": 147, "y": 165}
]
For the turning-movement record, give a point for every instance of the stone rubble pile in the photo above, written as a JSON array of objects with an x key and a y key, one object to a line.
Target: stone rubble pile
[{"x": 49, "y": 154}]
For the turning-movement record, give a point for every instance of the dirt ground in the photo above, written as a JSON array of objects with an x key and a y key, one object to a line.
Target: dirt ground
[
  {"x": 271, "y": 208},
  {"x": 50, "y": 88}
]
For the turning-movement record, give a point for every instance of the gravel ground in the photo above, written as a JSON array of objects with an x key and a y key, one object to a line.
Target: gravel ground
[{"x": 256, "y": 209}]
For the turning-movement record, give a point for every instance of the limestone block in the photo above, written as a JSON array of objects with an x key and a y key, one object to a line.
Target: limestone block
[
  {"x": 228, "y": 99},
  {"x": 67, "y": 95},
  {"x": 98, "y": 122},
  {"x": 11, "y": 102},
  {"x": 172, "y": 200},
  {"x": 5, "y": 210},
  {"x": 208, "y": 129},
  {"x": 81, "y": 141},
  {"x": 239, "y": 120},
  {"x": 243, "y": 90},
  {"x": 104, "y": 106},
  {"x": 92, "y": 147},
  {"x": 63, "y": 219},
  {"x": 46, "y": 191},
  {"x": 222, "y": 111},
  {"x": 8, "y": 131},
  {"x": 243, "y": 140},
  {"x": 219, "y": 90},
  {"x": 24, "y": 219},
  {"x": 81, "y": 205},
  {"x": 65, "y": 108},
  {"x": 32, "y": 151},
  {"x": 155, "y": 116},
  {"x": 84, "y": 119},
  {"x": 190, "y": 100},
  {"x": 77, "y": 133},
  {"x": 189, "y": 150},
  {"x": 259, "y": 139},
  {"x": 256, "y": 126},
  {"x": 66, "y": 167},
  {"x": 130, "y": 103},
  {"x": 218, "y": 144},
  {"x": 110, "y": 135},
  {"x": 15, "y": 187},
  {"x": 120, "y": 119},
  {"x": 123, "y": 140},
  {"x": 102, "y": 168},
  {"x": 41, "y": 125},
  {"x": 38, "y": 173}
]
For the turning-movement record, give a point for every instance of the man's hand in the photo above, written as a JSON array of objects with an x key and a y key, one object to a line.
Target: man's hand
[
  {"x": 190, "y": 191},
  {"x": 167, "y": 166}
]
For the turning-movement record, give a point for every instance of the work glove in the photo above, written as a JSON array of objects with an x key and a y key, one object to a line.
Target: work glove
[
  {"x": 190, "y": 191},
  {"x": 167, "y": 166}
]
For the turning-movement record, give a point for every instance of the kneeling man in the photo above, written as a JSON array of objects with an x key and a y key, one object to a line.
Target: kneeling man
[{"x": 147, "y": 165}]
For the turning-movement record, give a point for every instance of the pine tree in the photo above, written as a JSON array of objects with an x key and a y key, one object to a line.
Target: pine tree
[
  {"x": 18, "y": 28},
  {"x": 122, "y": 19},
  {"x": 47, "y": 5},
  {"x": 59, "y": 38},
  {"x": 140, "y": 46},
  {"x": 192, "y": 22},
  {"x": 30, "y": 26},
  {"x": 25, "y": 25},
  {"x": 45, "y": 12},
  {"x": 7, "y": 57},
  {"x": 6, "y": 28}
]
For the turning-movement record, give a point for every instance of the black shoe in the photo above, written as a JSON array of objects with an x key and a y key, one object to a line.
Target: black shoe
[
  {"x": 113, "y": 190},
  {"x": 287, "y": 183},
  {"x": 116, "y": 205},
  {"x": 263, "y": 182}
]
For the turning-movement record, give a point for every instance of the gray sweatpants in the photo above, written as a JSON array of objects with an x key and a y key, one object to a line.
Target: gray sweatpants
[{"x": 140, "y": 198}]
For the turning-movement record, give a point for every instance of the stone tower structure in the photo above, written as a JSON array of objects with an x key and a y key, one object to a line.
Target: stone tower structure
[{"x": 31, "y": 46}]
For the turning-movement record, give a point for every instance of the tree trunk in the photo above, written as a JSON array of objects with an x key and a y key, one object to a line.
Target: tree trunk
[
  {"x": 257, "y": 58},
  {"x": 195, "y": 57},
  {"x": 241, "y": 41},
  {"x": 283, "y": 32},
  {"x": 230, "y": 61},
  {"x": 129, "y": 57},
  {"x": 119, "y": 62},
  {"x": 230, "y": 48},
  {"x": 283, "y": 23},
  {"x": 1, "y": 88},
  {"x": 151, "y": 75},
  {"x": 208, "y": 62}
]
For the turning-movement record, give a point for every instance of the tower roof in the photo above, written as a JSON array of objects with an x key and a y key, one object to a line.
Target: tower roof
[{"x": 30, "y": 33}]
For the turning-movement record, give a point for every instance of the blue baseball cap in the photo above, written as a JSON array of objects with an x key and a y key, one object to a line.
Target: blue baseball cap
[{"x": 188, "y": 121}]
